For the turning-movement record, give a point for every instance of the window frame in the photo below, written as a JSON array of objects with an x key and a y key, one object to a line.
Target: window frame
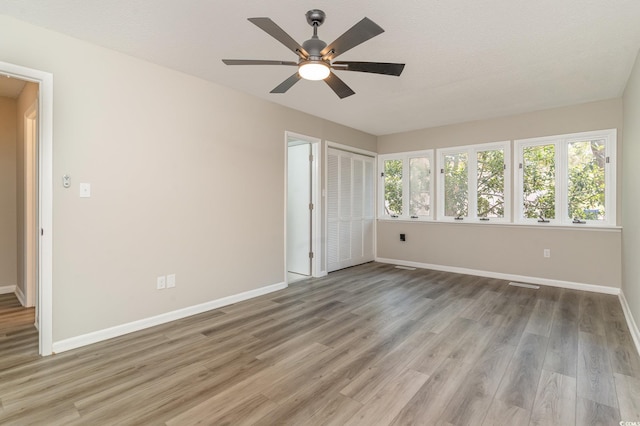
[
  {"x": 472, "y": 181},
  {"x": 561, "y": 143},
  {"x": 405, "y": 157}
]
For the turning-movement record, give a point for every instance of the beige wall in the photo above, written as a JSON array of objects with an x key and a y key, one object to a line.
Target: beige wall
[
  {"x": 577, "y": 256},
  {"x": 187, "y": 178},
  {"x": 631, "y": 194},
  {"x": 27, "y": 97},
  {"x": 577, "y": 118},
  {"x": 581, "y": 256},
  {"x": 8, "y": 250}
]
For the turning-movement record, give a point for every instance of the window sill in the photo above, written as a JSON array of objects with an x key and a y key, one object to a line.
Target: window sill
[{"x": 507, "y": 224}]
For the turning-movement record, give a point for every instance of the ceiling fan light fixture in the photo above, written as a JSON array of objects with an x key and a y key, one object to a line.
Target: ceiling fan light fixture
[
  {"x": 314, "y": 70},
  {"x": 315, "y": 57}
]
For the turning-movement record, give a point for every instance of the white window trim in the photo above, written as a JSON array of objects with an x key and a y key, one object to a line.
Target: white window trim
[
  {"x": 561, "y": 143},
  {"x": 471, "y": 151},
  {"x": 405, "y": 157}
]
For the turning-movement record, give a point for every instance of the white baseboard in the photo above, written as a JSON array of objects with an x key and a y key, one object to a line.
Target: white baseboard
[
  {"x": 633, "y": 325},
  {"x": 119, "y": 330},
  {"x": 6, "y": 289},
  {"x": 21, "y": 297},
  {"x": 507, "y": 277}
]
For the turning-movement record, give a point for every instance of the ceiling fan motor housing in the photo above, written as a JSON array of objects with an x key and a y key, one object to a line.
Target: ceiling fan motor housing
[{"x": 314, "y": 46}]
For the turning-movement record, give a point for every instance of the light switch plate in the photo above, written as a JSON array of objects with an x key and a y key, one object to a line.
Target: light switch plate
[{"x": 85, "y": 190}]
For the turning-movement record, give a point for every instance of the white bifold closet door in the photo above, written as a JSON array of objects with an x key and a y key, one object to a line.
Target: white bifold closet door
[{"x": 350, "y": 209}]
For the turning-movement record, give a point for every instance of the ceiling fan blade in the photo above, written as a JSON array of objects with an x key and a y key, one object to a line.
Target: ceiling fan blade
[
  {"x": 338, "y": 86},
  {"x": 373, "y": 67},
  {"x": 257, "y": 62},
  {"x": 271, "y": 28},
  {"x": 359, "y": 33},
  {"x": 287, "y": 84}
]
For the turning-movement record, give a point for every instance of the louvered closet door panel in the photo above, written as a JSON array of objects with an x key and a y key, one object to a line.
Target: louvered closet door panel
[
  {"x": 367, "y": 239},
  {"x": 333, "y": 181},
  {"x": 344, "y": 243},
  {"x": 332, "y": 247},
  {"x": 357, "y": 208},
  {"x": 369, "y": 189},
  {"x": 350, "y": 209},
  {"x": 358, "y": 189},
  {"x": 333, "y": 205},
  {"x": 346, "y": 194},
  {"x": 356, "y": 240},
  {"x": 345, "y": 188}
]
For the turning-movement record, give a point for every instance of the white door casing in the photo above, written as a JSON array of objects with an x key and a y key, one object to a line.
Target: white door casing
[{"x": 45, "y": 198}]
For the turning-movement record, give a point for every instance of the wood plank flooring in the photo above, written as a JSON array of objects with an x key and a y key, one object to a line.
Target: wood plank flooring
[
  {"x": 368, "y": 345},
  {"x": 18, "y": 336}
]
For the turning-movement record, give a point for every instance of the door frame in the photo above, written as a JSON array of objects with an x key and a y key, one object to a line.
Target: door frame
[
  {"x": 30, "y": 246},
  {"x": 45, "y": 198},
  {"x": 316, "y": 223}
]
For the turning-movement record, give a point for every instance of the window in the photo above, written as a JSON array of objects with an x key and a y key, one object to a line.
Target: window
[
  {"x": 406, "y": 186},
  {"x": 567, "y": 179},
  {"x": 474, "y": 182}
]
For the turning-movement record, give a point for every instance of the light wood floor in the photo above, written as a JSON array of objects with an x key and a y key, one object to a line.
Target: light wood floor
[{"x": 369, "y": 345}]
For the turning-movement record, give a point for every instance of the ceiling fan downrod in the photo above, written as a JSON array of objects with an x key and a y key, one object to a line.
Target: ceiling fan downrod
[{"x": 314, "y": 45}]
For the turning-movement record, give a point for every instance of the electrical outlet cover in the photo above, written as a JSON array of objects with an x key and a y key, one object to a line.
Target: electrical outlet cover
[
  {"x": 161, "y": 282},
  {"x": 171, "y": 281}
]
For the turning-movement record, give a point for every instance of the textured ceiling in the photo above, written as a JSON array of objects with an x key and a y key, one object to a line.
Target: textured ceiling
[{"x": 466, "y": 59}]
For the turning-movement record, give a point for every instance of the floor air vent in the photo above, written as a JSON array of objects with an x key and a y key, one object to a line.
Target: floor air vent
[
  {"x": 408, "y": 268},
  {"x": 524, "y": 285}
]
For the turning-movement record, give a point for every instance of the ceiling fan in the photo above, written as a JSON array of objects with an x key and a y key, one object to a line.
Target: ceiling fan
[{"x": 315, "y": 57}]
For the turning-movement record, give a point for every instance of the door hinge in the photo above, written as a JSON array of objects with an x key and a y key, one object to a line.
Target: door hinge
[
  {"x": 442, "y": 171},
  {"x": 382, "y": 174},
  {"x": 310, "y": 206},
  {"x": 41, "y": 231},
  {"x": 607, "y": 160},
  {"x": 520, "y": 165},
  {"x": 310, "y": 255}
]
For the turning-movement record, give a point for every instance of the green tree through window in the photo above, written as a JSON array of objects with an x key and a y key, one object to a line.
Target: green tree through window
[
  {"x": 586, "y": 179},
  {"x": 406, "y": 184},
  {"x": 491, "y": 183},
  {"x": 419, "y": 185},
  {"x": 539, "y": 181},
  {"x": 393, "y": 187},
  {"x": 456, "y": 185},
  {"x": 569, "y": 178}
]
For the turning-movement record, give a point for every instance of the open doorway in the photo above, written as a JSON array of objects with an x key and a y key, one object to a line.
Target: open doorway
[
  {"x": 302, "y": 209},
  {"x": 18, "y": 223},
  {"x": 30, "y": 111}
]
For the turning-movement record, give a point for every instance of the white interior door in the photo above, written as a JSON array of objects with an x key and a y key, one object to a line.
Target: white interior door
[
  {"x": 298, "y": 212},
  {"x": 350, "y": 209}
]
